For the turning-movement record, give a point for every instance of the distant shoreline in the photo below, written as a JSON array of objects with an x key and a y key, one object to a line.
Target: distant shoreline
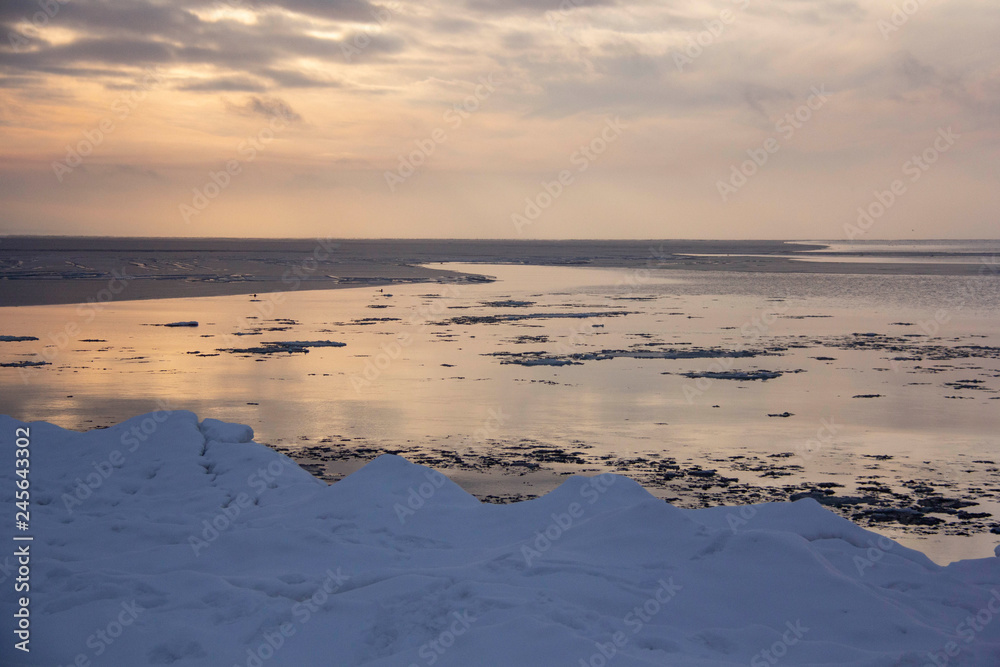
[{"x": 49, "y": 270}]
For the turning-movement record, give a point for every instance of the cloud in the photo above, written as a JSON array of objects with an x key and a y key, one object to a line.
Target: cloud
[
  {"x": 533, "y": 6},
  {"x": 116, "y": 34},
  {"x": 374, "y": 76},
  {"x": 265, "y": 107},
  {"x": 356, "y": 10},
  {"x": 223, "y": 84},
  {"x": 19, "y": 81},
  {"x": 288, "y": 78}
]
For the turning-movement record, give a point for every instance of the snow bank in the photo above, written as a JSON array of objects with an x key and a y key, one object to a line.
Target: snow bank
[
  {"x": 169, "y": 541},
  {"x": 221, "y": 431}
]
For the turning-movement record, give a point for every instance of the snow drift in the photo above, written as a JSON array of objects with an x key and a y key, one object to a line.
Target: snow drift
[{"x": 169, "y": 541}]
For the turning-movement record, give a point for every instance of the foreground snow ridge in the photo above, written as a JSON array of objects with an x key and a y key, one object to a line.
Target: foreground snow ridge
[{"x": 166, "y": 540}]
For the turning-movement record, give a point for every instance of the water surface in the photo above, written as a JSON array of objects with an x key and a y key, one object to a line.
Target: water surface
[{"x": 412, "y": 375}]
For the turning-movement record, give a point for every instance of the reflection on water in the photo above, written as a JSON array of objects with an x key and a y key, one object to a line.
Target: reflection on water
[
  {"x": 971, "y": 259},
  {"x": 968, "y": 246},
  {"x": 412, "y": 373},
  {"x": 981, "y": 253}
]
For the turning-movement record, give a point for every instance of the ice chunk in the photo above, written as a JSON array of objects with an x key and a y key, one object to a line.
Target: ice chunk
[{"x": 213, "y": 429}]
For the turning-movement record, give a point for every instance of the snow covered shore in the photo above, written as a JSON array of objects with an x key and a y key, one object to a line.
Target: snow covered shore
[{"x": 166, "y": 540}]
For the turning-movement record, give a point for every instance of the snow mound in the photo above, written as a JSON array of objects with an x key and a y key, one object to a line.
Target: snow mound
[
  {"x": 220, "y": 431},
  {"x": 169, "y": 540}
]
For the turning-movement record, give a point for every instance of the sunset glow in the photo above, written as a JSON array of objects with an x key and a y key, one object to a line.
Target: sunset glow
[{"x": 363, "y": 90}]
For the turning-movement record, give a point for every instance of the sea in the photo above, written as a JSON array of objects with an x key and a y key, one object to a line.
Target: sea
[{"x": 710, "y": 387}]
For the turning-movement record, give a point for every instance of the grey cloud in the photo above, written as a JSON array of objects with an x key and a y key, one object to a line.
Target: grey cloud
[
  {"x": 119, "y": 33},
  {"x": 16, "y": 10},
  {"x": 560, "y": 77},
  {"x": 108, "y": 18},
  {"x": 357, "y": 10},
  {"x": 916, "y": 72},
  {"x": 89, "y": 72},
  {"x": 19, "y": 81},
  {"x": 266, "y": 107},
  {"x": 293, "y": 79},
  {"x": 225, "y": 84},
  {"x": 117, "y": 51},
  {"x": 518, "y": 40},
  {"x": 362, "y": 46},
  {"x": 104, "y": 51},
  {"x": 534, "y": 6}
]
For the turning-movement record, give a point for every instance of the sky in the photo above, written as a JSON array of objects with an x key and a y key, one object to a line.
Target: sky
[{"x": 795, "y": 119}]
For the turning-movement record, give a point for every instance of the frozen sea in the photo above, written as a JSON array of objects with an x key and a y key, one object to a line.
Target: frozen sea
[
  {"x": 882, "y": 387},
  {"x": 171, "y": 540}
]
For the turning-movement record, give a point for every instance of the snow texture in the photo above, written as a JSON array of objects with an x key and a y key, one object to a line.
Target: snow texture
[{"x": 168, "y": 541}]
